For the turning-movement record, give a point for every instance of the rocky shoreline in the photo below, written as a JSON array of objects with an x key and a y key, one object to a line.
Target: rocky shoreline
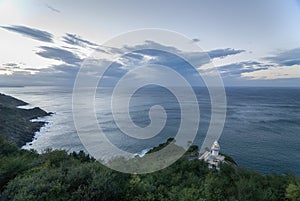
[{"x": 15, "y": 123}]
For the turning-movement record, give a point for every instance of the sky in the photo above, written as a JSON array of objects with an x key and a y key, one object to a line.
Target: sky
[{"x": 251, "y": 43}]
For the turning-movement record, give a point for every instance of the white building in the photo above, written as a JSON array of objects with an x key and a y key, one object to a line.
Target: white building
[{"x": 212, "y": 157}]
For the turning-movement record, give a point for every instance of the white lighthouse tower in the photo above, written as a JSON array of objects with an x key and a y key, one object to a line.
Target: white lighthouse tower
[
  {"x": 213, "y": 157},
  {"x": 215, "y": 149}
]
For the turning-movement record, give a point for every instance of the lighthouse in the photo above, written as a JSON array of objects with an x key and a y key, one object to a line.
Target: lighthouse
[
  {"x": 213, "y": 157},
  {"x": 215, "y": 149}
]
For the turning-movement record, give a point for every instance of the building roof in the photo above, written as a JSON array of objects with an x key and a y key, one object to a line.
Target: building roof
[{"x": 215, "y": 146}]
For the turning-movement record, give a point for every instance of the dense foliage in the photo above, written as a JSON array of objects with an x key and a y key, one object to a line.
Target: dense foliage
[{"x": 56, "y": 175}]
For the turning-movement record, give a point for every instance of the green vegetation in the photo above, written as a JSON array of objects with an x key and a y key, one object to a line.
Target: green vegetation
[
  {"x": 56, "y": 175},
  {"x": 229, "y": 159},
  {"x": 155, "y": 159},
  {"x": 11, "y": 102},
  {"x": 161, "y": 146}
]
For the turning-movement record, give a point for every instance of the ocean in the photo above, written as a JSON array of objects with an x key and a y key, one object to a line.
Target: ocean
[{"x": 261, "y": 132}]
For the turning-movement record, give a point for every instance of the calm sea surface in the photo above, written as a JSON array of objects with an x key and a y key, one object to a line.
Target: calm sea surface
[{"x": 262, "y": 128}]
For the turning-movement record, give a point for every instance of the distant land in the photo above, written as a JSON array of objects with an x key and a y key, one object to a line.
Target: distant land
[
  {"x": 15, "y": 123},
  {"x": 11, "y": 86}
]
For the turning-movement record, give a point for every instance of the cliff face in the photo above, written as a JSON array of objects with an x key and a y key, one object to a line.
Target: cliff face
[{"x": 15, "y": 124}]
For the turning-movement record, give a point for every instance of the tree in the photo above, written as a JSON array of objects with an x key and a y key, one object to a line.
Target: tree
[{"x": 293, "y": 191}]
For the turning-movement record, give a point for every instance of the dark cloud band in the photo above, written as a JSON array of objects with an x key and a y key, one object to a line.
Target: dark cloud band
[{"x": 31, "y": 33}]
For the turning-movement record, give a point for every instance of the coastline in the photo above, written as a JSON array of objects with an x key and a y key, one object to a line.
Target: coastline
[{"x": 16, "y": 121}]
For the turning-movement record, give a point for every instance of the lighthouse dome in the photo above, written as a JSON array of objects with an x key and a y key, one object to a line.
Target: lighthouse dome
[{"x": 215, "y": 146}]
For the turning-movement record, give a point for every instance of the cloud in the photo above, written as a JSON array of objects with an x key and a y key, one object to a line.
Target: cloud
[
  {"x": 148, "y": 44},
  {"x": 152, "y": 53},
  {"x": 52, "y": 8},
  {"x": 67, "y": 69},
  {"x": 221, "y": 53},
  {"x": 59, "y": 54},
  {"x": 30, "y": 32},
  {"x": 195, "y": 40},
  {"x": 201, "y": 56},
  {"x": 74, "y": 49},
  {"x": 73, "y": 39},
  {"x": 237, "y": 69},
  {"x": 168, "y": 55},
  {"x": 286, "y": 58},
  {"x": 165, "y": 56},
  {"x": 149, "y": 52},
  {"x": 11, "y": 68},
  {"x": 284, "y": 65},
  {"x": 275, "y": 73},
  {"x": 10, "y": 65}
]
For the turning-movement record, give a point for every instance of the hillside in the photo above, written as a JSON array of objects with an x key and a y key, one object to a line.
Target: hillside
[
  {"x": 15, "y": 124},
  {"x": 57, "y": 175}
]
